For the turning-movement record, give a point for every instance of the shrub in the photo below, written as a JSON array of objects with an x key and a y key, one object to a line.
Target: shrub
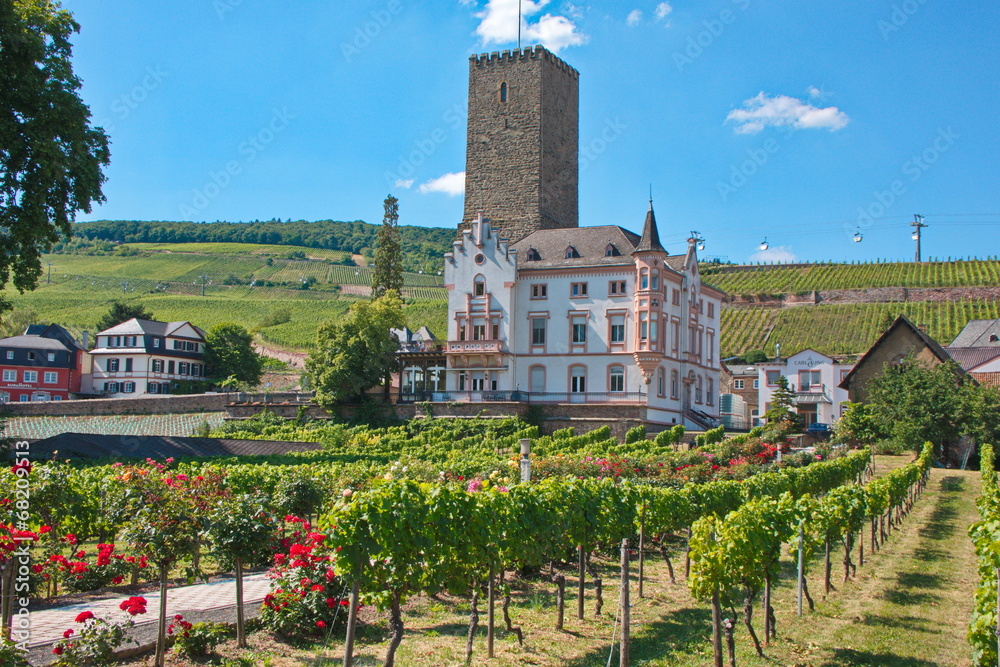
[
  {"x": 305, "y": 597},
  {"x": 11, "y": 655},
  {"x": 97, "y": 640},
  {"x": 196, "y": 640},
  {"x": 890, "y": 447},
  {"x": 635, "y": 434}
]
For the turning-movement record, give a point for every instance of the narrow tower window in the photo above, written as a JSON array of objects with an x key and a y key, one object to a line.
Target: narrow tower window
[{"x": 503, "y": 91}]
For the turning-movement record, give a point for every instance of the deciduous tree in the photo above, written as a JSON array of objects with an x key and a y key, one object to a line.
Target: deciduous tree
[
  {"x": 229, "y": 353},
  {"x": 121, "y": 311},
  {"x": 355, "y": 353},
  {"x": 52, "y": 158}
]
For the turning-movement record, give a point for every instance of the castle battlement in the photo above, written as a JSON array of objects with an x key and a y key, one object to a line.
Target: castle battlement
[{"x": 526, "y": 53}]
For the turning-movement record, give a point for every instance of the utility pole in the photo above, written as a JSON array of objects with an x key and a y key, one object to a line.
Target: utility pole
[
  {"x": 203, "y": 279},
  {"x": 49, "y": 264},
  {"x": 917, "y": 224}
]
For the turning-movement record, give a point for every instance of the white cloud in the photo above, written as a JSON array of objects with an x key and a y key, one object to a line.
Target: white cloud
[
  {"x": 783, "y": 111},
  {"x": 405, "y": 184},
  {"x": 498, "y": 25},
  {"x": 663, "y": 10},
  {"x": 781, "y": 254},
  {"x": 634, "y": 18},
  {"x": 450, "y": 184}
]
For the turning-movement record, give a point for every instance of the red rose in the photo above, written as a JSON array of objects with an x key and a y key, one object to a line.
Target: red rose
[
  {"x": 68, "y": 634},
  {"x": 320, "y": 624},
  {"x": 84, "y": 616},
  {"x": 58, "y": 650}
]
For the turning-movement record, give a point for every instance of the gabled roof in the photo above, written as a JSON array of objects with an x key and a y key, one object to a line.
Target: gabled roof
[
  {"x": 44, "y": 337},
  {"x": 900, "y": 321},
  {"x": 971, "y": 357},
  {"x": 33, "y": 343},
  {"x": 85, "y": 445},
  {"x": 135, "y": 326},
  {"x": 650, "y": 240},
  {"x": 977, "y": 333}
]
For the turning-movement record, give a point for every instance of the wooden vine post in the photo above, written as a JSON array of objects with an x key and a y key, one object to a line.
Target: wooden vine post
[
  {"x": 581, "y": 575},
  {"x": 241, "y": 634},
  {"x": 826, "y": 571},
  {"x": 642, "y": 548},
  {"x": 801, "y": 579},
  {"x": 623, "y": 655},
  {"x": 998, "y": 613},
  {"x": 717, "y": 628},
  {"x": 161, "y": 630},
  {"x": 491, "y": 594},
  {"x": 352, "y": 622}
]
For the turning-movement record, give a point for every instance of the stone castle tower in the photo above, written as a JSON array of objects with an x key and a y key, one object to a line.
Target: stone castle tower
[{"x": 522, "y": 151}]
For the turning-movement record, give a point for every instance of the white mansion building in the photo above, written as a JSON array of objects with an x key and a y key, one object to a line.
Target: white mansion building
[{"x": 586, "y": 315}]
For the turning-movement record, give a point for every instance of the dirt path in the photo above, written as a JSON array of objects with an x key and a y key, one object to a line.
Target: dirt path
[{"x": 293, "y": 359}]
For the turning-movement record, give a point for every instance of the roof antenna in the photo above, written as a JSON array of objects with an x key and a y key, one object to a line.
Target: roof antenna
[{"x": 518, "y": 25}]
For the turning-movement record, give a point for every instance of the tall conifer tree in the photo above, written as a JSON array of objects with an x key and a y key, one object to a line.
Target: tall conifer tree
[{"x": 388, "y": 255}]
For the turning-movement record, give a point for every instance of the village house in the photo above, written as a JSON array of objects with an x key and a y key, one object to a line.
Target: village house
[
  {"x": 814, "y": 380},
  {"x": 45, "y": 363},
  {"x": 146, "y": 357}
]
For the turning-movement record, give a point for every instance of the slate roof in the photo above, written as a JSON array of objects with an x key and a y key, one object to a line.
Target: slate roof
[
  {"x": 43, "y": 337},
  {"x": 650, "y": 234},
  {"x": 590, "y": 245},
  {"x": 34, "y": 343},
  {"x": 971, "y": 357},
  {"x": 87, "y": 445},
  {"x": 135, "y": 326},
  {"x": 977, "y": 334}
]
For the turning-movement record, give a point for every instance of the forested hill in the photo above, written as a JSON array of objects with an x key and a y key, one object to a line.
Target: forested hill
[{"x": 421, "y": 245}]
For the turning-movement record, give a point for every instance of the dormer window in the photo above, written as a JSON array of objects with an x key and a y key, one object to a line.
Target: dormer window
[
  {"x": 479, "y": 286},
  {"x": 571, "y": 252},
  {"x": 994, "y": 338},
  {"x": 611, "y": 250},
  {"x": 533, "y": 255}
]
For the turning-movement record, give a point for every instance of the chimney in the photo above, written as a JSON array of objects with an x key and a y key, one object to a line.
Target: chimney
[{"x": 86, "y": 339}]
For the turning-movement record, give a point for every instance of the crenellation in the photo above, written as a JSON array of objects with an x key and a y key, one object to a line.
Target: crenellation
[{"x": 522, "y": 152}]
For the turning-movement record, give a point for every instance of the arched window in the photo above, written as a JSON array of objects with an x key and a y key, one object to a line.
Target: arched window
[
  {"x": 479, "y": 286},
  {"x": 503, "y": 91},
  {"x": 674, "y": 384},
  {"x": 536, "y": 379},
  {"x": 698, "y": 387},
  {"x": 661, "y": 381},
  {"x": 709, "y": 394},
  {"x": 616, "y": 379}
]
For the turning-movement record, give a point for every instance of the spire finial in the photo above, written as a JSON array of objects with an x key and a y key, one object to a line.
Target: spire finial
[{"x": 650, "y": 196}]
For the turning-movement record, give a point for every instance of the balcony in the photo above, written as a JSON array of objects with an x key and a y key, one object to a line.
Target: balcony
[
  {"x": 811, "y": 395},
  {"x": 535, "y": 397},
  {"x": 474, "y": 347}
]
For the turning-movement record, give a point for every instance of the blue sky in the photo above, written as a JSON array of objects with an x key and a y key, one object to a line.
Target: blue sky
[{"x": 799, "y": 121}]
